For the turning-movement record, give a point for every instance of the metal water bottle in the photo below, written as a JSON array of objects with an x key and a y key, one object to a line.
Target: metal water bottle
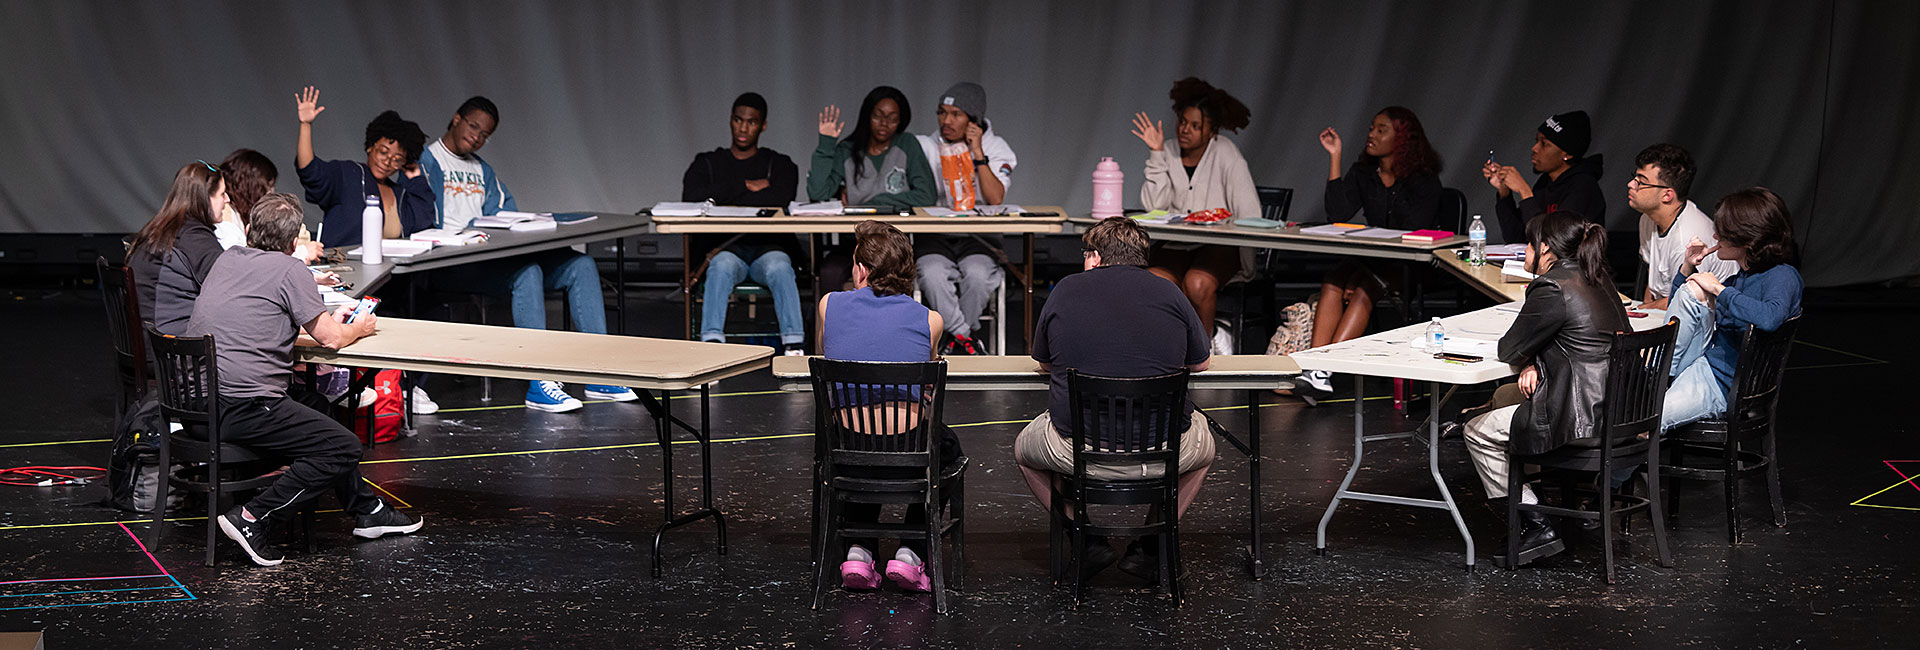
[
  {"x": 373, "y": 221},
  {"x": 1108, "y": 185}
]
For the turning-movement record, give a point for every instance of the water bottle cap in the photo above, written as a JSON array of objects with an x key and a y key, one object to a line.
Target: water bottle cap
[{"x": 1107, "y": 164}]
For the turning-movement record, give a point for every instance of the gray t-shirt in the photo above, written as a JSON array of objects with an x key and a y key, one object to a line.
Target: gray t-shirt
[{"x": 253, "y": 303}]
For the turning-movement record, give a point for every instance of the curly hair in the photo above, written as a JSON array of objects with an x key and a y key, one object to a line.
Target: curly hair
[
  {"x": 250, "y": 175},
  {"x": 1756, "y": 219},
  {"x": 388, "y": 125},
  {"x": 888, "y": 256},
  {"x": 1676, "y": 167},
  {"x": 1412, "y": 153},
  {"x": 1220, "y": 108}
]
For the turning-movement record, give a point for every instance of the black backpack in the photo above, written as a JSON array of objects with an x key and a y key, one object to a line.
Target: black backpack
[{"x": 133, "y": 472}]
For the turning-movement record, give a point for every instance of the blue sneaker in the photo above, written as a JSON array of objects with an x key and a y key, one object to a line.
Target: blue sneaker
[
  {"x": 547, "y": 396},
  {"x": 611, "y": 393}
]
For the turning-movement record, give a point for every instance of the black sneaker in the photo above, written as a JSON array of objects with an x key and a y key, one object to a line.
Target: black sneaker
[
  {"x": 252, "y": 536},
  {"x": 1100, "y": 555},
  {"x": 385, "y": 521}
]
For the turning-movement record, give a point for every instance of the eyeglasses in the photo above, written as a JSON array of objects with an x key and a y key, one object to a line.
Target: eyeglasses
[
  {"x": 1641, "y": 183},
  {"x": 209, "y": 167},
  {"x": 483, "y": 135}
]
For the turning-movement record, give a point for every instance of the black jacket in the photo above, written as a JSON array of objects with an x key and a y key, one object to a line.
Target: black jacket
[
  {"x": 196, "y": 248},
  {"x": 718, "y": 176},
  {"x": 1413, "y": 203},
  {"x": 1577, "y": 189},
  {"x": 1565, "y": 329}
]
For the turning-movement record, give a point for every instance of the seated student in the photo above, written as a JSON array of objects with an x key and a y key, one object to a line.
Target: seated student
[
  {"x": 879, "y": 321},
  {"x": 1076, "y": 331},
  {"x": 871, "y": 166},
  {"x": 1662, "y": 181},
  {"x": 182, "y": 232},
  {"x": 257, "y": 300},
  {"x": 1756, "y": 233},
  {"x": 251, "y": 175},
  {"x": 464, "y": 187},
  {"x": 747, "y": 174},
  {"x": 974, "y": 165},
  {"x": 341, "y": 187},
  {"x": 1569, "y": 178},
  {"x": 1396, "y": 184},
  {"x": 1199, "y": 169},
  {"x": 1562, "y": 336}
]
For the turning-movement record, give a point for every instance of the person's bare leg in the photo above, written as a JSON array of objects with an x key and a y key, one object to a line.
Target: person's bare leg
[
  {"x": 1169, "y": 263},
  {"x": 1326, "y": 317},
  {"x": 1040, "y": 482},
  {"x": 1353, "y": 322},
  {"x": 1212, "y": 267},
  {"x": 1188, "y": 488},
  {"x": 1165, "y": 273}
]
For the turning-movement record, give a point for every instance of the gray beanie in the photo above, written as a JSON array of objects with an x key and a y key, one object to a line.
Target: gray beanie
[{"x": 969, "y": 97}]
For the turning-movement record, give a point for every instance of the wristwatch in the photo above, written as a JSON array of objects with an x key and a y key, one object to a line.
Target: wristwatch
[{"x": 980, "y": 162}]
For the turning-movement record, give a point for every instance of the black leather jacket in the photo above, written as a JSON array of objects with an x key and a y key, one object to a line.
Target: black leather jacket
[{"x": 1565, "y": 328}]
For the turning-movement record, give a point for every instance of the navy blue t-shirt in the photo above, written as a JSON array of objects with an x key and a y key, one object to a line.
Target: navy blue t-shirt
[{"x": 1116, "y": 321}]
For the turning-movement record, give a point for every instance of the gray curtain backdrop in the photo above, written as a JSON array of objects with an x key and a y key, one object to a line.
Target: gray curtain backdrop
[{"x": 604, "y": 103}]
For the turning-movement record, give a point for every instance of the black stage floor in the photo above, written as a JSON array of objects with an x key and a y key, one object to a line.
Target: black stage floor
[{"x": 538, "y": 527}]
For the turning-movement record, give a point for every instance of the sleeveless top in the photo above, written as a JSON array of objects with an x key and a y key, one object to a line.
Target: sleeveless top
[{"x": 864, "y": 327}]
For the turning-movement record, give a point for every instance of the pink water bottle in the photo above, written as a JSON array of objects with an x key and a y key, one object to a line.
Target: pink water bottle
[{"x": 1108, "y": 184}]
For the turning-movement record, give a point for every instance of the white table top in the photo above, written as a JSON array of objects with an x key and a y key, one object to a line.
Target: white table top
[
  {"x": 1290, "y": 239},
  {"x": 920, "y": 222},
  {"x": 517, "y": 353},
  {"x": 1238, "y": 372},
  {"x": 1391, "y": 353}
]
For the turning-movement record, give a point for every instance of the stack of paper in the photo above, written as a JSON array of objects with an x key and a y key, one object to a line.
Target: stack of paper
[
  {"x": 1335, "y": 229},
  {"x": 1156, "y": 216},
  {"x": 1515, "y": 271},
  {"x": 732, "y": 211},
  {"x": 820, "y": 209},
  {"x": 450, "y": 236},
  {"x": 508, "y": 219},
  {"x": 333, "y": 297},
  {"x": 679, "y": 209},
  {"x": 1378, "y": 233},
  {"x": 1507, "y": 252},
  {"x": 1002, "y": 209}
]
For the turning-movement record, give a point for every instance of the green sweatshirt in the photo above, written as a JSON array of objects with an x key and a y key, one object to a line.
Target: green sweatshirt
[{"x": 901, "y": 169}]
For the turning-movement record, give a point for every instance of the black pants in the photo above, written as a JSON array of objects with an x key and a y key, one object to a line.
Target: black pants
[
  {"x": 916, "y": 513},
  {"x": 323, "y": 454}
]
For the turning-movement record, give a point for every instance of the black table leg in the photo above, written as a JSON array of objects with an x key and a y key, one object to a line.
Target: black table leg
[
  {"x": 1253, "y": 479},
  {"x": 620, "y": 285},
  {"x": 664, "y": 422}
]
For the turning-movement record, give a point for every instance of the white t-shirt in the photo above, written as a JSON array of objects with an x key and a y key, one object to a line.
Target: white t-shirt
[
  {"x": 1666, "y": 253},
  {"x": 465, "y": 189}
]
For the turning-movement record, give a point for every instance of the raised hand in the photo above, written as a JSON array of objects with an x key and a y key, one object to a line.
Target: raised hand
[
  {"x": 1330, "y": 140},
  {"x": 974, "y": 134},
  {"x": 830, "y": 125},
  {"x": 1149, "y": 131},
  {"x": 307, "y": 104}
]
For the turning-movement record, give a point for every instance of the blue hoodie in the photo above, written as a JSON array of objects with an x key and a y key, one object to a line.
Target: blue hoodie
[
  {"x": 497, "y": 199},
  {"x": 340, "y": 188},
  {"x": 1763, "y": 299}
]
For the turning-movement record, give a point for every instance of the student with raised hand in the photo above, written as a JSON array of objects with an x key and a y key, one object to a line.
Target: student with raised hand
[
  {"x": 1395, "y": 183},
  {"x": 1755, "y": 233},
  {"x": 182, "y": 233},
  {"x": 341, "y": 187},
  {"x": 1569, "y": 178},
  {"x": 464, "y": 187},
  {"x": 1563, "y": 337},
  {"x": 974, "y": 165},
  {"x": 880, "y": 321},
  {"x": 871, "y": 166},
  {"x": 746, "y": 174},
  {"x": 1659, "y": 190},
  {"x": 1199, "y": 169},
  {"x": 257, "y": 300}
]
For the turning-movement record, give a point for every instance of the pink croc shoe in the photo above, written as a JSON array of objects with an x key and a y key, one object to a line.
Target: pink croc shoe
[
  {"x": 859, "y": 575},
  {"x": 911, "y": 577}
]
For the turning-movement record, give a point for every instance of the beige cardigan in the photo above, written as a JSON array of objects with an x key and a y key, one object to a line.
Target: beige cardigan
[{"x": 1221, "y": 180}]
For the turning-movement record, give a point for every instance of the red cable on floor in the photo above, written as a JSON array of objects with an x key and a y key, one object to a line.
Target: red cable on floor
[{"x": 43, "y": 476}]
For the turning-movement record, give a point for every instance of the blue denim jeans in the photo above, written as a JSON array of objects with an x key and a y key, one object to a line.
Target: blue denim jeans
[
  {"x": 1695, "y": 394},
  {"x": 773, "y": 270},
  {"x": 525, "y": 279}
]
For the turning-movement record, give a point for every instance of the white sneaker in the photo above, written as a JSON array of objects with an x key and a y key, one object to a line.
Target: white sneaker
[
  {"x": 1222, "y": 341},
  {"x": 1320, "y": 380},
  {"x": 422, "y": 404}
]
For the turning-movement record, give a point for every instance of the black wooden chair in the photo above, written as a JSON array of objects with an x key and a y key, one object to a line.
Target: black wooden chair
[
  {"x": 123, "y": 318},
  {"x": 189, "y": 396},
  {"x": 1129, "y": 422},
  {"x": 876, "y": 442},
  {"x": 1628, "y": 436},
  {"x": 1749, "y": 419}
]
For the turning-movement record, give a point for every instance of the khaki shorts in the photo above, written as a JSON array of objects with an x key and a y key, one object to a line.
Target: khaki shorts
[{"x": 1039, "y": 446}]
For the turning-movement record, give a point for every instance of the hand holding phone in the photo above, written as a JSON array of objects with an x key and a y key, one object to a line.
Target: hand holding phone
[{"x": 362, "y": 308}]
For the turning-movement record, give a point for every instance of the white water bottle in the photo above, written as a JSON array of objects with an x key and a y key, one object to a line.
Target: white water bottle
[
  {"x": 1436, "y": 337},
  {"x": 1477, "y": 243},
  {"x": 373, "y": 221}
]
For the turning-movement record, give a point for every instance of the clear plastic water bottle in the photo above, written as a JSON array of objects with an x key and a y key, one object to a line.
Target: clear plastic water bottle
[
  {"x": 1436, "y": 338},
  {"x": 1477, "y": 243},
  {"x": 373, "y": 220}
]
